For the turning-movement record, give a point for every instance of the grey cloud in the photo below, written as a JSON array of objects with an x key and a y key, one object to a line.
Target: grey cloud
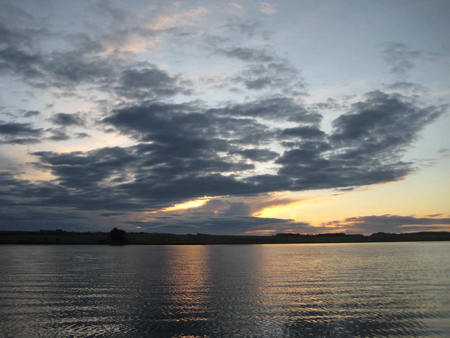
[
  {"x": 408, "y": 87},
  {"x": 19, "y": 133},
  {"x": 246, "y": 54},
  {"x": 263, "y": 69},
  {"x": 187, "y": 151},
  {"x": 224, "y": 225},
  {"x": 19, "y": 62},
  {"x": 31, "y": 113},
  {"x": 57, "y": 69},
  {"x": 82, "y": 135},
  {"x": 93, "y": 166},
  {"x": 69, "y": 69},
  {"x": 88, "y": 64},
  {"x": 275, "y": 75},
  {"x": 400, "y": 57},
  {"x": 383, "y": 122},
  {"x": 148, "y": 83},
  {"x": 58, "y": 135},
  {"x": 277, "y": 108},
  {"x": 391, "y": 223},
  {"x": 303, "y": 132},
  {"x": 18, "y": 129},
  {"x": 365, "y": 146},
  {"x": 64, "y": 119}
]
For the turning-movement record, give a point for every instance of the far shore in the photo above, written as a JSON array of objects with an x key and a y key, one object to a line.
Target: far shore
[{"x": 68, "y": 237}]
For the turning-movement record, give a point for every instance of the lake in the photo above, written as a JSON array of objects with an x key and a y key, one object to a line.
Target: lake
[{"x": 338, "y": 290}]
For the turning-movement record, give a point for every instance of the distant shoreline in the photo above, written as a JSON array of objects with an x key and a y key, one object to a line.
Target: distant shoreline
[{"x": 60, "y": 237}]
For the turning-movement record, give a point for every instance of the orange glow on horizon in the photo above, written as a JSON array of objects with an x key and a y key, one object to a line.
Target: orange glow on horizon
[{"x": 265, "y": 231}]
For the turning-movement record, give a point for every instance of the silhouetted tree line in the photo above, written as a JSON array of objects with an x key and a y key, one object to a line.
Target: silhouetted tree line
[{"x": 119, "y": 237}]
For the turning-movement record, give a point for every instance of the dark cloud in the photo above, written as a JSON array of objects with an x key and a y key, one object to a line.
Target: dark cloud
[
  {"x": 382, "y": 123},
  {"x": 225, "y": 225},
  {"x": 31, "y": 113},
  {"x": 81, "y": 135},
  {"x": 365, "y": 146},
  {"x": 390, "y": 223},
  {"x": 277, "y": 108},
  {"x": 148, "y": 83},
  {"x": 18, "y": 129},
  {"x": 63, "y": 119},
  {"x": 93, "y": 166},
  {"x": 186, "y": 151},
  {"x": 303, "y": 132},
  {"x": 58, "y": 135},
  {"x": 88, "y": 62},
  {"x": 19, "y": 133},
  {"x": 52, "y": 69},
  {"x": 69, "y": 69},
  {"x": 22, "y": 63}
]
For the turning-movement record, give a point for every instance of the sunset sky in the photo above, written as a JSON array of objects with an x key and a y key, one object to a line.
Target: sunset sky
[{"x": 240, "y": 117}]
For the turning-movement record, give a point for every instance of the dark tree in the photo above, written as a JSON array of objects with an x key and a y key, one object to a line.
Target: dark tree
[{"x": 117, "y": 236}]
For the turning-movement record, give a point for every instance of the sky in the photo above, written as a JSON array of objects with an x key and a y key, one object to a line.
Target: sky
[{"x": 240, "y": 117}]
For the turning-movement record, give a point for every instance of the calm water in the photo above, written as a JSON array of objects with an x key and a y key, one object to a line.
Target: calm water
[{"x": 225, "y": 290}]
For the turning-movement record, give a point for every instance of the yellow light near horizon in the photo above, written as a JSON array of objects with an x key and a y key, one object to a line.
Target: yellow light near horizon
[
  {"x": 290, "y": 210},
  {"x": 187, "y": 205}
]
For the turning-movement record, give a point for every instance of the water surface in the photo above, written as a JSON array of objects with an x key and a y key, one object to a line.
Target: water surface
[{"x": 339, "y": 290}]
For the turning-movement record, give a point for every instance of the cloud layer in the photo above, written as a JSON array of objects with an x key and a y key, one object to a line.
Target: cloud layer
[{"x": 239, "y": 126}]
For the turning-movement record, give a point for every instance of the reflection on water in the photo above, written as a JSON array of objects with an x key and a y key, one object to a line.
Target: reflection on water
[{"x": 334, "y": 290}]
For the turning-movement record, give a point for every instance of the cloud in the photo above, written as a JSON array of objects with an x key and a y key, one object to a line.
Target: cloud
[
  {"x": 19, "y": 133},
  {"x": 31, "y": 113},
  {"x": 94, "y": 166},
  {"x": 149, "y": 82},
  {"x": 227, "y": 224},
  {"x": 364, "y": 147},
  {"x": 187, "y": 150},
  {"x": 58, "y": 135},
  {"x": 263, "y": 70},
  {"x": 64, "y": 119},
  {"x": 81, "y": 135},
  {"x": 273, "y": 75},
  {"x": 305, "y": 132},
  {"x": 382, "y": 122},
  {"x": 400, "y": 57},
  {"x": 56, "y": 69},
  {"x": 190, "y": 148},
  {"x": 246, "y": 54},
  {"x": 390, "y": 223}
]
